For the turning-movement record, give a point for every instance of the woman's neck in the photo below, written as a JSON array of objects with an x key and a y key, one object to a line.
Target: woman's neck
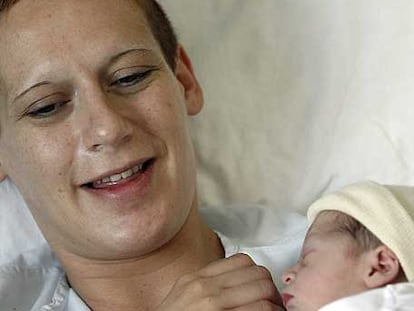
[{"x": 142, "y": 283}]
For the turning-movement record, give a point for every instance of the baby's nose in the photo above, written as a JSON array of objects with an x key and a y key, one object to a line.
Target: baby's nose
[{"x": 288, "y": 276}]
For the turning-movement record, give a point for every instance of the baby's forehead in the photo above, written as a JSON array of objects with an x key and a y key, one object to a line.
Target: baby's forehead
[
  {"x": 328, "y": 220},
  {"x": 329, "y": 224},
  {"x": 325, "y": 235}
]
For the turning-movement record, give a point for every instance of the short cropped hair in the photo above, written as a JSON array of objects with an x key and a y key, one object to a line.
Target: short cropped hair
[
  {"x": 158, "y": 21},
  {"x": 162, "y": 29}
]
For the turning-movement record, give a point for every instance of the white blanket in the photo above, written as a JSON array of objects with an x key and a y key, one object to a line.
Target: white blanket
[{"x": 398, "y": 297}]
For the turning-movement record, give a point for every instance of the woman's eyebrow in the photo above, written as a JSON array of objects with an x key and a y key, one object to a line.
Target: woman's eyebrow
[
  {"x": 114, "y": 58},
  {"x": 30, "y": 88},
  {"x": 111, "y": 60}
]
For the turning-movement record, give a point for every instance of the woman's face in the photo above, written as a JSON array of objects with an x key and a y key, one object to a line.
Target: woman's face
[{"x": 93, "y": 126}]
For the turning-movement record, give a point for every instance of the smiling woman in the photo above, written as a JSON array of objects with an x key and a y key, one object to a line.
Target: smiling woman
[
  {"x": 100, "y": 125},
  {"x": 94, "y": 134}
]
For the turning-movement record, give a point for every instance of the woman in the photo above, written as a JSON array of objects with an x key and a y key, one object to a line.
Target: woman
[{"x": 95, "y": 97}]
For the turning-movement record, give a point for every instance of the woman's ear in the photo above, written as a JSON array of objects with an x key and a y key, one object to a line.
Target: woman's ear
[
  {"x": 383, "y": 267},
  {"x": 185, "y": 75}
]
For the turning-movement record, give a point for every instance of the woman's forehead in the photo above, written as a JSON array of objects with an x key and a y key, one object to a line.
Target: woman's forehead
[
  {"x": 35, "y": 35},
  {"x": 52, "y": 23}
]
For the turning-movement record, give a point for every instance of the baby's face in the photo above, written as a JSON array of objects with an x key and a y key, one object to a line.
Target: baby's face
[{"x": 327, "y": 270}]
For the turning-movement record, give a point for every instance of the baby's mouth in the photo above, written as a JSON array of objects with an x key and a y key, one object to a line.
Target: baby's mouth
[
  {"x": 121, "y": 177},
  {"x": 286, "y": 298}
]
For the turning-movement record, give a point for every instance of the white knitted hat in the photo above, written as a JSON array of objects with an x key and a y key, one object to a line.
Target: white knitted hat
[{"x": 387, "y": 211}]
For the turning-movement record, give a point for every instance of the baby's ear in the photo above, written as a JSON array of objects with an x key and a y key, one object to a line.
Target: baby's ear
[{"x": 384, "y": 267}]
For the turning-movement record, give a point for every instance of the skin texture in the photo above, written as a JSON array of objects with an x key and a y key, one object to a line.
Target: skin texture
[
  {"x": 328, "y": 269},
  {"x": 234, "y": 283},
  {"x": 100, "y": 127},
  {"x": 89, "y": 97}
]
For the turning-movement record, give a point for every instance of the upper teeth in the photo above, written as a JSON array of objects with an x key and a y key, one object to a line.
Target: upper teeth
[{"x": 125, "y": 174}]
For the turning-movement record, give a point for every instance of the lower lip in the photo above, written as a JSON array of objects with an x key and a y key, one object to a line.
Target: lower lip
[
  {"x": 286, "y": 299},
  {"x": 129, "y": 189}
]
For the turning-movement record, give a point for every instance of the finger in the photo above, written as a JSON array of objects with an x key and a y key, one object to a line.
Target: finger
[
  {"x": 259, "y": 306},
  {"x": 278, "y": 299},
  {"x": 248, "y": 293},
  {"x": 216, "y": 269},
  {"x": 242, "y": 276},
  {"x": 226, "y": 265},
  {"x": 214, "y": 286}
]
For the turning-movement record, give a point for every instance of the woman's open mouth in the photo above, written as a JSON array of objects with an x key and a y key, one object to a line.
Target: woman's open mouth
[
  {"x": 121, "y": 177},
  {"x": 116, "y": 180}
]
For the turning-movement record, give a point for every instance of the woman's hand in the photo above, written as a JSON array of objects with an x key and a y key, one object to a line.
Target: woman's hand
[{"x": 234, "y": 283}]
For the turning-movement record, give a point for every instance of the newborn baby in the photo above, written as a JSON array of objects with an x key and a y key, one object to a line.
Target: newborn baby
[{"x": 360, "y": 239}]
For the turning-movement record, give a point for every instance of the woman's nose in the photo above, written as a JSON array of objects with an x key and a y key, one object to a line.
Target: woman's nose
[{"x": 103, "y": 124}]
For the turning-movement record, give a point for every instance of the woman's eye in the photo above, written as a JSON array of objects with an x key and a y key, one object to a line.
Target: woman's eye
[
  {"x": 131, "y": 79},
  {"x": 47, "y": 110}
]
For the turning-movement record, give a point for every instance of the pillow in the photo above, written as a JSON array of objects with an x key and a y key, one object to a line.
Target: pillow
[
  {"x": 301, "y": 97},
  {"x": 18, "y": 230}
]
